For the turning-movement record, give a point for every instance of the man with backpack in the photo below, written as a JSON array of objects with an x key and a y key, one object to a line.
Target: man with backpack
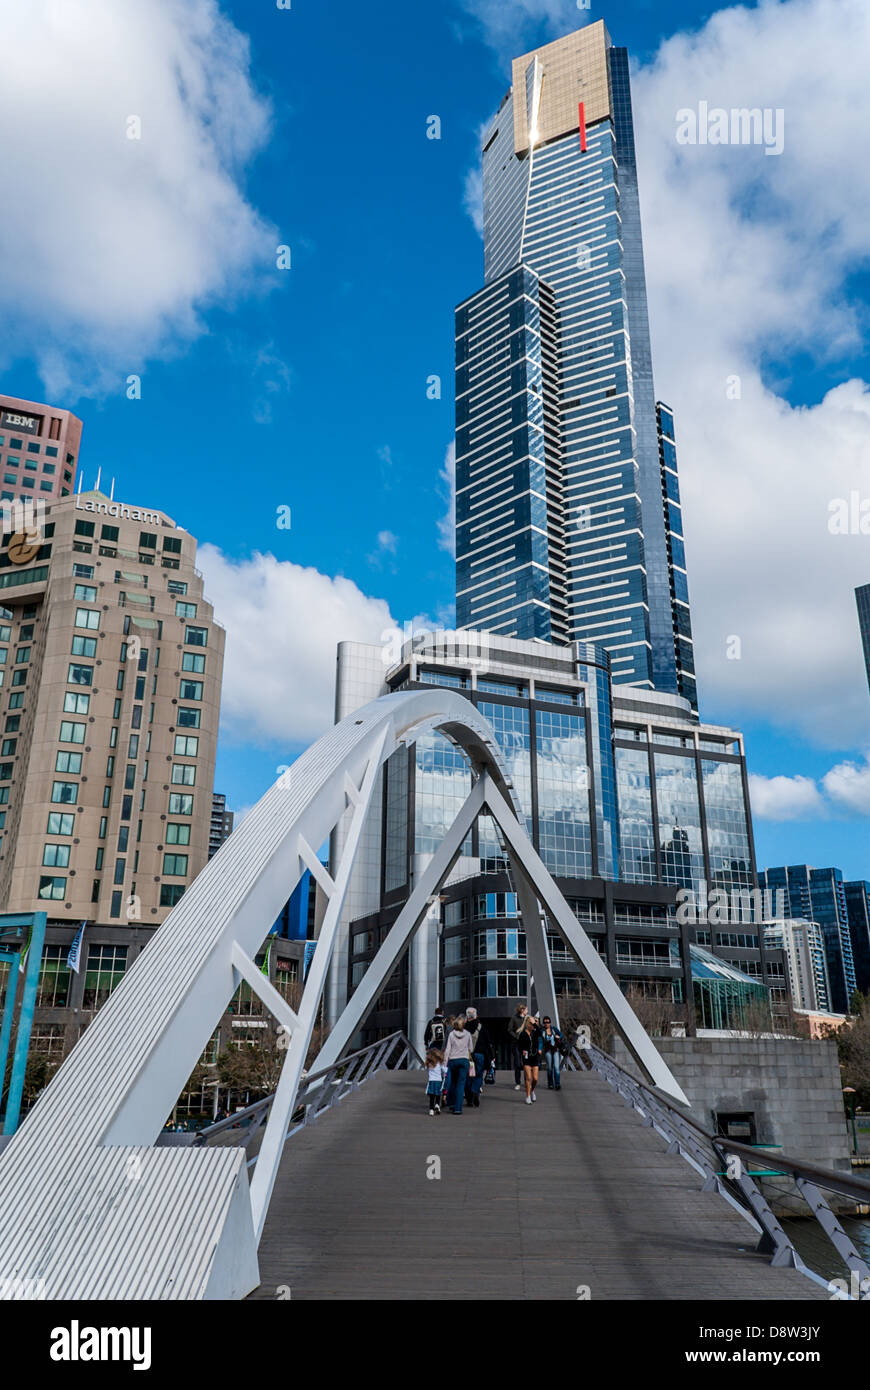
[{"x": 436, "y": 1031}]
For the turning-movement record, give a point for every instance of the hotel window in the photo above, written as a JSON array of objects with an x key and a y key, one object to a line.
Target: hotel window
[
  {"x": 105, "y": 968},
  {"x": 68, "y": 762},
  {"x": 76, "y": 704},
  {"x": 98, "y": 862},
  {"x": 173, "y": 544},
  {"x": 56, "y": 856},
  {"x": 53, "y": 888},
  {"x": 196, "y": 636},
  {"x": 107, "y": 796},
  {"x": 60, "y": 823},
  {"x": 123, "y": 839},
  {"x": 170, "y": 894},
  {"x": 113, "y": 737},
  {"x": 71, "y": 732},
  {"x": 5, "y": 633},
  {"x": 54, "y": 979},
  {"x": 22, "y": 656},
  {"x": 9, "y": 478},
  {"x": 183, "y": 774},
  {"x": 103, "y": 824},
  {"x": 87, "y": 617},
  {"x": 51, "y": 450},
  {"x": 188, "y": 718},
  {"x": 175, "y": 865},
  {"x": 193, "y": 661},
  {"x": 84, "y": 528},
  {"x": 177, "y": 834},
  {"x": 110, "y": 765},
  {"x": 33, "y": 466},
  {"x": 108, "y": 533},
  {"x": 186, "y": 746},
  {"x": 7, "y": 747},
  {"x": 18, "y": 678},
  {"x": 176, "y": 586},
  {"x": 13, "y": 723},
  {"x": 4, "y": 796},
  {"x": 6, "y": 770},
  {"x": 190, "y": 690},
  {"x": 77, "y": 675},
  {"x": 86, "y": 592},
  {"x": 147, "y": 540},
  {"x": 33, "y": 448},
  {"x": 180, "y": 804},
  {"x": 50, "y": 469},
  {"x": 64, "y": 791},
  {"x": 116, "y": 710},
  {"x": 4, "y": 652},
  {"x": 84, "y": 646},
  {"x": 130, "y": 776},
  {"x": 120, "y": 870},
  {"x": 185, "y": 610},
  {"x": 133, "y": 747},
  {"x": 137, "y": 717},
  {"x": 16, "y": 699}
]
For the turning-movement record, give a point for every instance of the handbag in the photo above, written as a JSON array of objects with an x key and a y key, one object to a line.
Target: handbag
[
  {"x": 489, "y": 1079},
  {"x": 471, "y": 1070}
]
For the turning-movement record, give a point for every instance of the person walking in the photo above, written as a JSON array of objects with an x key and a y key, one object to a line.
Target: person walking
[
  {"x": 436, "y": 1031},
  {"x": 482, "y": 1053},
  {"x": 530, "y": 1050},
  {"x": 437, "y": 1072},
  {"x": 551, "y": 1050},
  {"x": 515, "y": 1027},
  {"x": 457, "y": 1056}
]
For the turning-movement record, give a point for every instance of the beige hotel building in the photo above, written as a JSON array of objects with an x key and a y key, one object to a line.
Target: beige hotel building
[{"x": 110, "y": 679}]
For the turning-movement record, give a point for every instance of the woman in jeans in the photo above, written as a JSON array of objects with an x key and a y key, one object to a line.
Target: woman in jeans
[{"x": 457, "y": 1057}]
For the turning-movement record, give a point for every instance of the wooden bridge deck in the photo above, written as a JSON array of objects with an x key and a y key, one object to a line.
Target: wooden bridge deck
[{"x": 532, "y": 1202}]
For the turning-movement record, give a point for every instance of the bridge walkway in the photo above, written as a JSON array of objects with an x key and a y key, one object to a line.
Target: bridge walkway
[{"x": 533, "y": 1201}]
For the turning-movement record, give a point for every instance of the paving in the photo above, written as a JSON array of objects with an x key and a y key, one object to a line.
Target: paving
[{"x": 542, "y": 1201}]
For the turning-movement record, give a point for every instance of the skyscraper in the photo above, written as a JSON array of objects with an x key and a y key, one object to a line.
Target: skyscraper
[
  {"x": 568, "y": 522},
  {"x": 39, "y": 450},
  {"x": 819, "y": 895},
  {"x": 862, "y": 597}
]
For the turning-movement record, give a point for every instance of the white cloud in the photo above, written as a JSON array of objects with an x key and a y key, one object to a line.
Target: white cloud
[
  {"x": 785, "y": 798},
  {"x": 283, "y": 624},
  {"x": 447, "y": 523},
  {"x": 510, "y": 26},
  {"x": 747, "y": 262},
  {"x": 848, "y": 785},
  {"x": 112, "y": 247},
  {"x": 472, "y": 197},
  {"x": 388, "y": 541}
]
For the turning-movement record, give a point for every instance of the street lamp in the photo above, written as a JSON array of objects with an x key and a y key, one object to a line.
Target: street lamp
[{"x": 849, "y": 1091}]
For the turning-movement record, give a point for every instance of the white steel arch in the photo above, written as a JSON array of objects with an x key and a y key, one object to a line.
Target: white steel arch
[{"x": 98, "y": 1211}]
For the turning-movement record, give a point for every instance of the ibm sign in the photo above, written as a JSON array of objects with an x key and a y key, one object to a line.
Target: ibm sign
[{"x": 27, "y": 424}]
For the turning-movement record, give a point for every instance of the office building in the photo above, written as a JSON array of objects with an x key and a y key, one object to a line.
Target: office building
[
  {"x": 862, "y": 598},
  {"x": 110, "y": 678},
  {"x": 221, "y": 823},
  {"x": 628, "y": 799},
  {"x": 857, "y": 895},
  {"x": 803, "y": 946},
  {"x": 568, "y": 517},
  {"x": 819, "y": 895},
  {"x": 39, "y": 451}
]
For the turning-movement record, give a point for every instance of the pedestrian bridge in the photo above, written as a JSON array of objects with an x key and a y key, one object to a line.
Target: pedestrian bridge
[{"x": 608, "y": 1185}]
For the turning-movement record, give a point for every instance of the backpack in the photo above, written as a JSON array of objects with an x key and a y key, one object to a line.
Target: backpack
[{"x": 436, "y": 1028}]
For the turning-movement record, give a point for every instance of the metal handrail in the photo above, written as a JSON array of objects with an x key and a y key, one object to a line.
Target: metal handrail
[
  {"x": 355, "y": 1068},
  {"x": 736, "y": 1184}
]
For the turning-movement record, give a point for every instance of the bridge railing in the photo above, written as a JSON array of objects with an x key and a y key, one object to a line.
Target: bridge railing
[
  {"x": 318, "y": 1092},
  {"x": 724, "y": 1165}
]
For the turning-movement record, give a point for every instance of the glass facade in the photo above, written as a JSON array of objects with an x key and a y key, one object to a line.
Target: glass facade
[
  {"x": 819, "y": 895},
  {"x": 862, "y": 597},
  {"x": 636, "y": 833},
  {"x": 564, "y": 836},
  {"x": 568, "y": 523},
  {"x": 681, "y": 849}
]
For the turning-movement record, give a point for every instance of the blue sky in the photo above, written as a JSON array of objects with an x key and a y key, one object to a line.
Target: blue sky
[{"x": 306, "y": 388}]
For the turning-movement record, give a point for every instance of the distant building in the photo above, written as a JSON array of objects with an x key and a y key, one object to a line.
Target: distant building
[
  {"x": 858, "y": 914},
  {"x": 819, "y": 895},
  {"x": 39, "y": 450},
  {"x": 221, "y": 823},
  {"x": 862, "y": 597},
  {"x": 803, "y": 946}
]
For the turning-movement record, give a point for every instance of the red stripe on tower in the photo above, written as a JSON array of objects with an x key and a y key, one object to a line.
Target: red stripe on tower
[{"x": 582, "y": 127}]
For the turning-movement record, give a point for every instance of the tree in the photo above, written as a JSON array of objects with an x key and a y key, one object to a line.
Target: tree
[{"x": 853, "y": 1047}]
